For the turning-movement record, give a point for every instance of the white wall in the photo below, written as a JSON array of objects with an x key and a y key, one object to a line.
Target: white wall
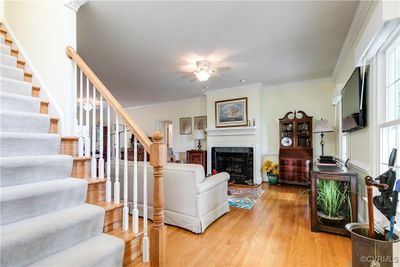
[
  {"x": 363, "y": 142},
  {"x": 252, "y": 92},
  {"x": 43, "y": 29},
  {"x": 359, "y": 151},
  {"x": 312, "y": 96},
  {"x": 1, "y": 10},
  {"x": 148, "y": 116},
  {"x": 379, "y": 12},
  {"x": 266, "y": 104}
]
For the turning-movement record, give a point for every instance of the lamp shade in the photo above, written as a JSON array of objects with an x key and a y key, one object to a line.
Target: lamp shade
[
  {"x": 323, "y": 126},
  {"x": 349, "y": 123},
  {"x": 198, "y": 134}
]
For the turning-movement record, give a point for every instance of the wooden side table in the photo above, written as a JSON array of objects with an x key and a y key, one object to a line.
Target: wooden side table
[
  {"x": 342, "y": 175},
  {"x": 197, "y": 157}
]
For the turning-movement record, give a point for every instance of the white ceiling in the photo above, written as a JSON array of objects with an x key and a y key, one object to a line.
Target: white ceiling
[{"x": 138, "y": 48}]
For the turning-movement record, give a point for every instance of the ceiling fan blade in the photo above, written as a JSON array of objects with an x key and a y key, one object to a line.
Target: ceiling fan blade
[
  {"x": 187, "y": 75},
  {"x": 193, "y": 80},
  {"x": 221, "y": 69}
]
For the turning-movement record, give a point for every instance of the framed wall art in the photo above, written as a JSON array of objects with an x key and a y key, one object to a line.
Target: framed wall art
[
  {"x": 185, "y": 125},
  {"x": 200, "y": 122},
  {"x": 231, "y": 112}
]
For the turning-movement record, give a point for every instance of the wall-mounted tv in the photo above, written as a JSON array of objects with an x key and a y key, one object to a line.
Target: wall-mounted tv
[{"x": 354, "y": 101}]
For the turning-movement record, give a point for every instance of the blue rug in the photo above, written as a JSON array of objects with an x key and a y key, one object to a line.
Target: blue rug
[{"x": 243, "y": 197}]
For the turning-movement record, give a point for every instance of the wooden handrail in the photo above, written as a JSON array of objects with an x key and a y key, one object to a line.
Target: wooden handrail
[
  {"x": 133, "y": 127},
  {"x": 157, "y": 151}
]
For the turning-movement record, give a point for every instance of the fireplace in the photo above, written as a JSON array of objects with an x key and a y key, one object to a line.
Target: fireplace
[{"x": 237, "y": 161}]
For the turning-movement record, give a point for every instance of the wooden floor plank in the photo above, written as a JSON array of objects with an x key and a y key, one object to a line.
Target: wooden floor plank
[{"x": 275, "y": 232}]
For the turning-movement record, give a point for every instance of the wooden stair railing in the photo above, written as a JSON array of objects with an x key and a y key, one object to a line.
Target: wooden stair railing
[{"x": 101, "y": 168}]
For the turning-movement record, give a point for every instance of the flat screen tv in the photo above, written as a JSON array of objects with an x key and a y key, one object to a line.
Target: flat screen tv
[{"x": 354, "y": 101}]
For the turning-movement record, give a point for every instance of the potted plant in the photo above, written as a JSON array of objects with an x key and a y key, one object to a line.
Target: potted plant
[
  {"x": 272, "y": 171},
  {"x": 333, "y": 201}
]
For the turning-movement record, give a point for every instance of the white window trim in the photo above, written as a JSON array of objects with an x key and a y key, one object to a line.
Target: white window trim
[{"x": 378, "y": 107}]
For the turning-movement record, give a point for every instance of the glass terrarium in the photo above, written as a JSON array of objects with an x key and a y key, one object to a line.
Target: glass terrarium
[
  {"x": 333, "y": 202},
  {"x": 333, "y": 199}
]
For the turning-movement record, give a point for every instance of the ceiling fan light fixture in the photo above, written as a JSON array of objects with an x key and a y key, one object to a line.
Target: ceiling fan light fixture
[{"x": 202, "y": 76}]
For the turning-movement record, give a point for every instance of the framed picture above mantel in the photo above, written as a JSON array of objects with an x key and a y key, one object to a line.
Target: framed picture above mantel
[{"x": 231, "y": 112}]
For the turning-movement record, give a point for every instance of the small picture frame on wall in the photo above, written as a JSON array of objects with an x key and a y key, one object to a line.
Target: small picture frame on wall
[
  {"x": 200, "y": 122},
  {"x": 231, "y": 112},
  {"x": 185, "y": 125}
]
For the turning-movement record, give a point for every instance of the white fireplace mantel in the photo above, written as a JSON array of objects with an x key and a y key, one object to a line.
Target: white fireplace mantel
[{"x": 231, "y": 131}]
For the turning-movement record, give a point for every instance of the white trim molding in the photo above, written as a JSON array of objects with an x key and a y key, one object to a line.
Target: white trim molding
[
  {"x": 75, "y": 4},
  {"x": 337, "y": 94},
  {"x": 359, "y": 18},
  {"x": 360, "y": 166}
]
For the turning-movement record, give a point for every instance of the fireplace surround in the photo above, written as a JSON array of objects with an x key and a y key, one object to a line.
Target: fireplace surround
[{"x": 237, "y": 161}]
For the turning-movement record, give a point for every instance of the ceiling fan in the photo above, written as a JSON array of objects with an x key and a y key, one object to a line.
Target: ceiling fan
[{"x": 204, "y": 70}]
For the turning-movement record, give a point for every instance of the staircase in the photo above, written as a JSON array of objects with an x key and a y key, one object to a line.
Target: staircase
[{"x": 56, "y": 208}]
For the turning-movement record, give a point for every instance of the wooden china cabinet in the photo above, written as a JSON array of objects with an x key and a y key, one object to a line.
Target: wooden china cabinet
[{"x": 295, "y": 152}]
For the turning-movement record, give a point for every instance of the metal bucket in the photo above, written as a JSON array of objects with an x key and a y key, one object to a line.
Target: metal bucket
[{"x": 368, "y": 252}]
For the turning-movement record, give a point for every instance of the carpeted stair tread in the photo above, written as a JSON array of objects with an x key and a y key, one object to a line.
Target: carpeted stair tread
[
  {"x": 5, "y": 49},
  {"x": 11, "y": 72},
  {"x": 29, "y": 240},
  {"x": 8, "y": 60},
  {"x": 100, "y": 251},
  {"x": 13, "y": 121},
  {"x": 20, "y": 103},
  {"x": 15, "y": 87},
  {"x": 22, "y": 144},
  {"x": 44, "y": 220},
  {"x": 32, "y": 169},
  {"x": 43, "y": 197}
]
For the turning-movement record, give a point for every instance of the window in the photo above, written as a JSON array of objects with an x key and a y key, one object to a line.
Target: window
[
  {"x": 390, "y": 121},
  {"x": 345, "y": 149}
]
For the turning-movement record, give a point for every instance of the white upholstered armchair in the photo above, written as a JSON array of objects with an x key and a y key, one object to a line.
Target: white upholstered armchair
[{"x": 192, "y": 201}]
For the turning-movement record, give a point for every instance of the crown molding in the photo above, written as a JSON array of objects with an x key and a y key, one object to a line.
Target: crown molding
[
  {"x": 75, "y": 4},
  {"x": 358, "y": 20}
]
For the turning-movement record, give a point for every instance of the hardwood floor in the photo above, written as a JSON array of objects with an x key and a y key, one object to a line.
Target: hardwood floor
[{"x": 275, "y": 232}]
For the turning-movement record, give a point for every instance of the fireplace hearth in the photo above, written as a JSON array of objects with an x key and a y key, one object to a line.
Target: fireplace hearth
[{"x": 237, "y": 161}]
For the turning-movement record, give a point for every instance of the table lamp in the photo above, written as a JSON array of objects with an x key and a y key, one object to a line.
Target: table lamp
[
  {"x": 198, "y": 135},
  {"x": 349, "y": 123},
  {"x": 322, "y": 126}
]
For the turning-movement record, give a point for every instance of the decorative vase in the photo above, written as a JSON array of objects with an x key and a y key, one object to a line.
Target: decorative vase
[{"x": 273, "y": 179}]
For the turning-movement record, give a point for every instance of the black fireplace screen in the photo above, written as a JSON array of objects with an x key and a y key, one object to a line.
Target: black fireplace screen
[{"x": 237, "y": 161}]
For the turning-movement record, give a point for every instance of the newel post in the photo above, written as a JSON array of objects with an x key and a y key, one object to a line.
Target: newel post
[{"x": 158, "y": 232}]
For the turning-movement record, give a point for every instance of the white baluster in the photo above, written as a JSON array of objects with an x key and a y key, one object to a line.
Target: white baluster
[
  {"x": 75, "y": 97},
  {"x": 135, "y": 211},
  {"x": 108, "y": 183},
  {"x": 116, "y": 183},
  {"x": 94, "y": 160},
  {"x": 145, "y": 235},
  {"x": 125, "y": 210},
  {"x": 87, "y": 122},
  {"x": 101, "y": 159},
  {"x": 81, "y": 140}
]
